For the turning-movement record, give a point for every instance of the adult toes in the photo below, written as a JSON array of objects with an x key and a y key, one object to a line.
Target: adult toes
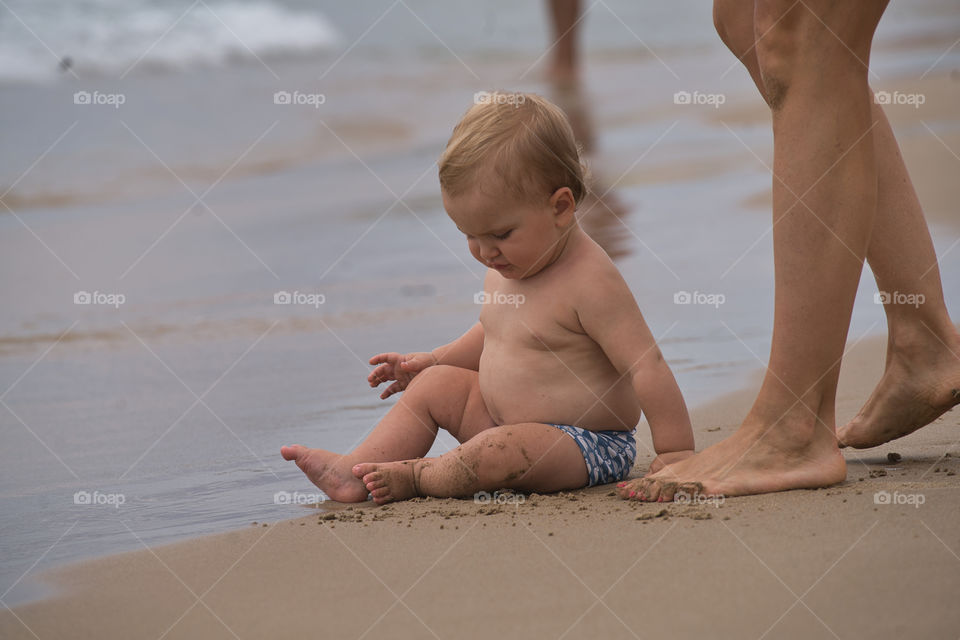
[
  {"x": 634, "y": 490},
  {"x": 668, "y": 489},
  {"x": 687, "y": 491},
  {"x": 624, "y": 488}
]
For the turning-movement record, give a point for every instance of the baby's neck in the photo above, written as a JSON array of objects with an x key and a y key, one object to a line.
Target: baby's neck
[{"x": 570, "y": 239}]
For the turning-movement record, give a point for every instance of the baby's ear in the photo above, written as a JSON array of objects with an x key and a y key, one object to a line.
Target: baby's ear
[{"x": 563, "y": 204}]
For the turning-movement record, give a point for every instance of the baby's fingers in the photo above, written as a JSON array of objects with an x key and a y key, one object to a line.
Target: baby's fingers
[
  {"x": 381, "y": 357},
  {"x": 396, "y": 387}
]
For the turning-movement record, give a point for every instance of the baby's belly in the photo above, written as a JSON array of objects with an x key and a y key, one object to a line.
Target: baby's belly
[{"x": 521, "y": 385}]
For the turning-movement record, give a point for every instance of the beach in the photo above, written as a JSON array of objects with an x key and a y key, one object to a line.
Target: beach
[
  {"x": 872, "y": 557},
  {"x": 197, "y": 272}
]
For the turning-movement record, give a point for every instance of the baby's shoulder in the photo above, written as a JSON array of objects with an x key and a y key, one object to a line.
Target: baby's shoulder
[{"x": 594, "y": 271}]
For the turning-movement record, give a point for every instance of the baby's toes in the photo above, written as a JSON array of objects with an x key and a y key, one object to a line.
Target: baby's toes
[
  {"x": 381, "y": 495},
  {"x": 363, "y": 469},
  {"x": 373, "y": 480}
]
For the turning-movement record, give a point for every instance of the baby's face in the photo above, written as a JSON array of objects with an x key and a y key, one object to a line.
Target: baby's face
[{"x": 517, "y": 239}]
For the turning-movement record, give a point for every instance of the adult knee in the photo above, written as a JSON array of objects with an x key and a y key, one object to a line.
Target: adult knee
[
  {"x": 778, "y": 28},
  {"x": 733, "y": 20},
  {"x": 820, "y": 44}
]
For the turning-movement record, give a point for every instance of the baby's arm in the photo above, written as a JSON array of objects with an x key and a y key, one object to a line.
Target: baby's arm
[
  {"x": 401, "y": 368},
  {"x": 464, "y": 352},
  {"x": 610, "y": 315}
]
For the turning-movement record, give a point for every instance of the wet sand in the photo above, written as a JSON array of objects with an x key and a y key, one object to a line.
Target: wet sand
[{"x": 811, "y": 564}]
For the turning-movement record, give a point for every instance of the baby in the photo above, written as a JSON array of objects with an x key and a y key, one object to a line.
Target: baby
[{"x": 545, "y": 391}]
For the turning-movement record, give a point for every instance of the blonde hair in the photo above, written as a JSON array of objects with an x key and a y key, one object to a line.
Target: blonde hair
[{"x": 525, "y": 140}]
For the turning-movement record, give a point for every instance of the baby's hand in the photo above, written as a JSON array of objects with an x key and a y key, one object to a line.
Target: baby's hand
[
  {"x": 664, "y": 459},
  {"x": 399, "y": 367}
]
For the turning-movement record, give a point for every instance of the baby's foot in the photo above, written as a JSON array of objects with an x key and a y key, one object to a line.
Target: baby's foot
[
  {"x": 327, "y": 470},
  {"x": 388, "y": 481}
]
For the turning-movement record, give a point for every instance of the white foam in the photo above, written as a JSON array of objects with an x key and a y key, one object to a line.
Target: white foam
[{"x": 110, "y": 36}]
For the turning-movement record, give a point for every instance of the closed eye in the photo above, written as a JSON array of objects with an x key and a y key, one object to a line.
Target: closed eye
[{"x": 504, "y": 235}]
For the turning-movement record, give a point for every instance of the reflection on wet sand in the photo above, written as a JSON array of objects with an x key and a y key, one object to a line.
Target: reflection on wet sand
[{"x": 602, "y": 214}]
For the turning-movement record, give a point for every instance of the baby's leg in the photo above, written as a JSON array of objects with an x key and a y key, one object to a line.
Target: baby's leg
[
  {"x": 529, "y": 457},
  {"x": 439, "y": 396}
]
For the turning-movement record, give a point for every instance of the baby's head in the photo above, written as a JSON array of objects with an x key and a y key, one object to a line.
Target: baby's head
[{"x": 511, "y": 178}]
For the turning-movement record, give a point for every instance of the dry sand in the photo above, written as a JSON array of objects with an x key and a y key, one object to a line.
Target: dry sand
[{"x": 827, "y": 563}]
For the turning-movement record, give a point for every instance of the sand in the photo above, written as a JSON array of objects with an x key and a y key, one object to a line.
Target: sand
[
  {"x": 831, "y": 562},
  {"x": 837, "y": 562}
]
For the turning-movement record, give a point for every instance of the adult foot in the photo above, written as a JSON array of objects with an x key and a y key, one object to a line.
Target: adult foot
[
  {"x": 752, "y": 460},
  {"x": 915, "y": 390},
  {"x": 328, "y": 471},
  {"x": 388, "y": 481}
]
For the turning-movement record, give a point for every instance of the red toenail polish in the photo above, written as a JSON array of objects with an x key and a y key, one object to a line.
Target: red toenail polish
[{"x": 633, "y": 493}]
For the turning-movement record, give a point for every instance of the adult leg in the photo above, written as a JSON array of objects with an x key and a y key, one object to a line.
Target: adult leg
[
  {"x": 922, "y": 375},
  {"x": 440, "y": 396},
  {"x": 529, "y": 457},
  {"x": 564, "y": 17},
  {"x": 813, "y": 60},
  {"x": 921, "y": 379}
]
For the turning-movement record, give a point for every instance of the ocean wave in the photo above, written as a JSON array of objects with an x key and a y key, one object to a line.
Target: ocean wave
[{"x": 38, "y": 38}]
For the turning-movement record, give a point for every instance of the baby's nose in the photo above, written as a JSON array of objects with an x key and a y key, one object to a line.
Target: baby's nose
[{"x": 489, "y": 251}]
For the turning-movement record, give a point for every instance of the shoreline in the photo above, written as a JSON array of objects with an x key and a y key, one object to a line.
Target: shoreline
[{"x": 349, "y": 563}]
